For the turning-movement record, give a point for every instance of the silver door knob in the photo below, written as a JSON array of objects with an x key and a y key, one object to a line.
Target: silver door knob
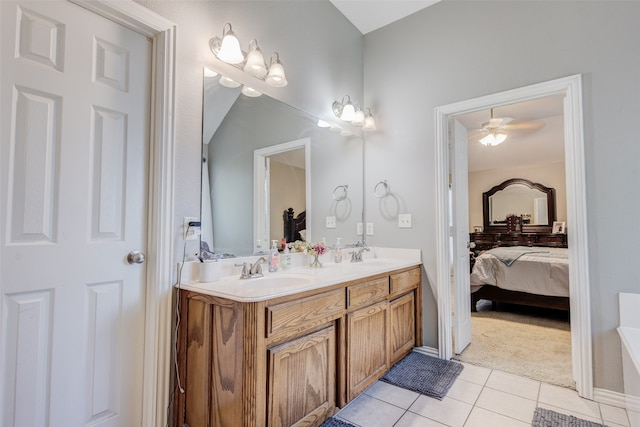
[{"x": 135, "y": 257}]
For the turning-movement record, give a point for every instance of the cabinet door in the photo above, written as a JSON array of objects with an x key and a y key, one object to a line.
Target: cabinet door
[
  {"x": 403, "y": 326},
  {"x": 302, "y": 380},
  {"x": 367, "y": 347}
]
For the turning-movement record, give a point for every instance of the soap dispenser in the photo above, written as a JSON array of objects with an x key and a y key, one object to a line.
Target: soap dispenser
[
  {"x": 338, "y": 255},
  {"x": 286, "y": 257},
  {"x": 274, "y": 257}
]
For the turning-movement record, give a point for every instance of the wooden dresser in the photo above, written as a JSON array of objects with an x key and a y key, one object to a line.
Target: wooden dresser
[{"x": 484, "y": 241}]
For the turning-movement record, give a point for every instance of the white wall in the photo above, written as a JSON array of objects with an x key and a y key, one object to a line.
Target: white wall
[
  {"x": 550, "y": 175},
  {"x": 451, "y": 52},
  {"x": 320, "y": 50}
]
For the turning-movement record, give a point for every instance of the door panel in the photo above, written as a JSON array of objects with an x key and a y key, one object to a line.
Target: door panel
[{"x": 74, "y": 132}]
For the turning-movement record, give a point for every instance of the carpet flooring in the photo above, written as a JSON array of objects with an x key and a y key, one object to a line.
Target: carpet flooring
[{"x": 523, "y": 341}]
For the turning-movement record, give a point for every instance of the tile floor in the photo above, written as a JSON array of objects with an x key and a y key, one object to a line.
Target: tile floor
[{"x": 480, "y": 397}]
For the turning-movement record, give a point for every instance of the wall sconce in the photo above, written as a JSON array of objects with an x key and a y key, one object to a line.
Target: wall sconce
[
  {"x": 228, "y": 50},
  {"x": 351, "y": 112}
]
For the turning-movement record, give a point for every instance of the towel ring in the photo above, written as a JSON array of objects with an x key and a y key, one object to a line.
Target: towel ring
[
  {"x": 381, "y": 189},
  {"x": 340, "y": 192}
]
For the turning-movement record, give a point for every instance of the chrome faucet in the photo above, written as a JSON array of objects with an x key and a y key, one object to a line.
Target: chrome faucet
[
  {"x": 251, "y": 271},
  {"x": 356, "y": 256}
]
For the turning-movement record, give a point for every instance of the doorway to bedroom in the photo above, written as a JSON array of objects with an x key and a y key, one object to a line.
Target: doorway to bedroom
[
  {"x": 454, "y": 243},
  {"x": 522, "y": 339}
]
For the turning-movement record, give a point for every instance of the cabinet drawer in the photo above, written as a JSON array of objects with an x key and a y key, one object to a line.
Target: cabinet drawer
[
  {"x": 367, "y": 293},
  {"x": 306, "y": 313},
  {"x": 407, "y": 280}
]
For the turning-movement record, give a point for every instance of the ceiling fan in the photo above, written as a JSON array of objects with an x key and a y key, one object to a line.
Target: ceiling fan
[{"x": 495, "y": 131}]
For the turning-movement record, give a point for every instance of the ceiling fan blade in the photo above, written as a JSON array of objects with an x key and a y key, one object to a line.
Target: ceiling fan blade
[{"x": 526, "y": 125}]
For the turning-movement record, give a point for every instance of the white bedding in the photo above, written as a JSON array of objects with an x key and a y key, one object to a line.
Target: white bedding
[{"x": 543, "y": 272}]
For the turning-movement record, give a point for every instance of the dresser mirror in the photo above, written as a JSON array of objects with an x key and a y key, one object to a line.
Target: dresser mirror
[
  {"x": 300, "y": 164},
  {"x": 533, "y": 202}
]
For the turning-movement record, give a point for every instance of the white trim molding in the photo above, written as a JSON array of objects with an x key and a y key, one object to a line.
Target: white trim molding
[
  {"x": 581, "y": 339},
  {"x": 609, "y": 397},
  {"x": 159, "y": 286}
]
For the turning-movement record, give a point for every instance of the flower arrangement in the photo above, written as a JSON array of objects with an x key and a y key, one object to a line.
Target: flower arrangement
[{"x": 313, "y": 249}]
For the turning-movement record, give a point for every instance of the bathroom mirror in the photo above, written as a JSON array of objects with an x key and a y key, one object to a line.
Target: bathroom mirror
[
  {"x": 304, "y": 164},
  {"x": 520, "y": 197}
]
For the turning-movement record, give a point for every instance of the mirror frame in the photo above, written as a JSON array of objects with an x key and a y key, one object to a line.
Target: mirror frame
[{"x": 526, "y": 228}]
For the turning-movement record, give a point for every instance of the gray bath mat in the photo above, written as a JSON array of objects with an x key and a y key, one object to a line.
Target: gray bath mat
[
  {"x": 424, "y": 374},
  {"x": 335, "y": 422},
  {"x": 548, "y": 418}
]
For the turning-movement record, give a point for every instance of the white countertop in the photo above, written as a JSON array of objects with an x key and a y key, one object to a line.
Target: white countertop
[{"x": 301, "y": 279}]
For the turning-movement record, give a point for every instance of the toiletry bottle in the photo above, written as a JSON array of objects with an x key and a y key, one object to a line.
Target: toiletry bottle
[
  {"x": 338, "y": 256},
  {"x": 286, "y": 257},
  {"x": 274, "y": 257}
]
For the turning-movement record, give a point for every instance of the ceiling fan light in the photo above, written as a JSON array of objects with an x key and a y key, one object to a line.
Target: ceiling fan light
[{"x": 493, "y": 139}]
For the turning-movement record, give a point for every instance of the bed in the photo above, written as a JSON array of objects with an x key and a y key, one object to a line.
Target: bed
[
  {"x": 294, "y": 226},
  {"x": 534, "y": 276}
]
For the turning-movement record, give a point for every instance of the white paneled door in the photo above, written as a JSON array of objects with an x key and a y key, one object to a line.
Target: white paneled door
[{"x": 73, "y": 182}]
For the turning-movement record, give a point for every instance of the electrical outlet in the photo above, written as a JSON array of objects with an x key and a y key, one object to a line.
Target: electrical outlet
[
  {"x": 330, "y": 222},
  {"x": 191, "y": 232},
  {"x": 404, "y": 221},
  {"x": 359, "y": 229},
  {"x": 369, "y": 229}
]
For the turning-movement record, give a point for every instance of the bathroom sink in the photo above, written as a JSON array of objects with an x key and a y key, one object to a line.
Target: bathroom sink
[
  {"x": 377, "y": 263},
  {"x": 280, "y": 281}
]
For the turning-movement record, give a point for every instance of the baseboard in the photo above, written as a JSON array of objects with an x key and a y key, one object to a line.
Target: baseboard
[
  {"x": 430, "y": 351},
  {"x": 609, "y": 397}
]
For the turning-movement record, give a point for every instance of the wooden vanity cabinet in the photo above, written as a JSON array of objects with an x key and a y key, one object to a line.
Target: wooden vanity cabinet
[{"x": 292, "y": 360}]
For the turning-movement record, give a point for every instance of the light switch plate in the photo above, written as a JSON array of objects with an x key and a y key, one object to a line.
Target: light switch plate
[
  {"x": 369, "y": 229},
  {"x": 359, "y": 229},
  {"x": 404, "y": 221},
  {"x": 330, "y": 222}
]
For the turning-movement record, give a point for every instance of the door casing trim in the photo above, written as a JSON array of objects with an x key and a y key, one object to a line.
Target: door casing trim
[{"x": 579, "y": 287}]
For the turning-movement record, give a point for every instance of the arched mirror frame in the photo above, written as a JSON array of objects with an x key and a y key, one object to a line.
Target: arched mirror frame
[{"x": 526, "y": 228}]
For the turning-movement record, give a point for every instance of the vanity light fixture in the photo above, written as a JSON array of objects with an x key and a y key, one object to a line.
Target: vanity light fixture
[
  {"x": 276, "y": 76},
  {"x": 255, "y": 61},
  {"x": 369, "y": 122},
  {"x": 251, "y": 92},
  {"x": 228, "y": 50},
  {"x": 351, "y": 112},
  {"x": 227, "y": 82}
]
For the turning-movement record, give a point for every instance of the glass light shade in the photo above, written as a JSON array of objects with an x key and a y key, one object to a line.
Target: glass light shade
[
  {"x": 227, "y": 82},
  {"x": 493, "y": 139},
  {"x": 323, "y": 124},
  {"x": 255, "y": 64},
  {"x": 251, "y": 92},
  {"x": 358, "y": 118},
  {"x": 348, "y": 112},
  {"x": 230, "y": 51},
  {"x": 369, "y": 123},
  {"x": 276, "y": 77}
]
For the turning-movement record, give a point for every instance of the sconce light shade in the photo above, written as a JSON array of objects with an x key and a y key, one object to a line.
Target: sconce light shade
[
  {"x": 229, "y": 51},
  {"x": 255, "y": 61},
  {"x": 358, "y": 118},
  {"x": 348, "y": 111},
  {"x": 227, "y": 82},
  {"x": 369, "y": 122},
  {"x": 323, "y": 124},
  {"x": 251, "y": 92},
  {"x": 276, "y": 77}
]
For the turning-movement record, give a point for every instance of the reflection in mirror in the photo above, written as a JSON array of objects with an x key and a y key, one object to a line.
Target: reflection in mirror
[
  {"x": 519, "y": 200},
  {"x": 235, "y": 128},
  {"x": 533, "y": 202}
]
